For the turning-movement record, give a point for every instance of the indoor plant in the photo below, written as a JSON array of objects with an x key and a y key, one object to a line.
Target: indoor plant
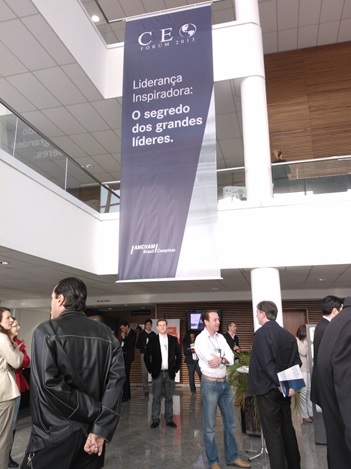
[{"x": 250, "y": 419}]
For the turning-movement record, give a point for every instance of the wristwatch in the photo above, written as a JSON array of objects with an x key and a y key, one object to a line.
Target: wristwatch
[{"x": 223, "y": 361}]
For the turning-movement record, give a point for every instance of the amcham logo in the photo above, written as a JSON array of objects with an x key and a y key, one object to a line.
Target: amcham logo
[
  {"x": 165, "y": 37},
  {"x": 144, "y": 247},
  {"x": 150, "y": 249}
]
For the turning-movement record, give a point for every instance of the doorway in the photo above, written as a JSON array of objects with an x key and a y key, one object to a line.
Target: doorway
[{"x": 293, "y": 318}]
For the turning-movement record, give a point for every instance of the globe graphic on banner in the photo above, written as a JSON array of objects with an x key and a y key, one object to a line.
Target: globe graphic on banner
[{"x": 187, "y": 30}]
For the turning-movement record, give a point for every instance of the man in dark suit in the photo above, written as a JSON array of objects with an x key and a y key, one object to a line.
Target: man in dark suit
[
  {"x": 162, "y": 359},
  {"x": 274, "y": 350},
  {"x": 231, "y": 337},
  {"x": 334, "y": 375},
  {"x": 331, "y": 306},
  {"x": 128, "y": 337},
  {"x": 141, "y": 344}
]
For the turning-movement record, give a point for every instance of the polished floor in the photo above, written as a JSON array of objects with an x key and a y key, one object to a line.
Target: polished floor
[{"x": 135, "y": 445}]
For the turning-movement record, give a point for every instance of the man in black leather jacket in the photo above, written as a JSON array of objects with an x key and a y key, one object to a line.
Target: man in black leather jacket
[{"x": 77, "y": 376}]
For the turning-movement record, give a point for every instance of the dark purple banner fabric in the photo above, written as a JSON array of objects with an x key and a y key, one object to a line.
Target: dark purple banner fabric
[{"x": 167, "y": 96}]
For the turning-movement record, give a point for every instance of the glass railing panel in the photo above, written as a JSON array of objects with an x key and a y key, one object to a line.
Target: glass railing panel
[
  {"x": 37, "y": 153},
  {"x": 110, "y": 201},
  {"x": 231, "y": 185},
  {"x": 7, "y": 130},
  {"x": 307, "y": 177},
  {"x": 82, "y": 185},
  {"x": 320, "y": 176},
  {"x": 21, "y": 141}
]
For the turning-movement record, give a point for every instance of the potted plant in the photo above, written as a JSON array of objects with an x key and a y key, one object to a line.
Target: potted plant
[{"x": 250, "y": 419}]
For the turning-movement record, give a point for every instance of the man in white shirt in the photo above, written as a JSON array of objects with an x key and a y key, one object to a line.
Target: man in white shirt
[
  {"x": 162, "y": 359},
  {"x": 214, "y": 355}
]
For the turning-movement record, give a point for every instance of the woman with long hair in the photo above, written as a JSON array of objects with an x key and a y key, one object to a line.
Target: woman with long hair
[
  {"x": 10, "y": 359},
  {"x": 20, "y": 379},
  {"x": 305, "y": 400}
]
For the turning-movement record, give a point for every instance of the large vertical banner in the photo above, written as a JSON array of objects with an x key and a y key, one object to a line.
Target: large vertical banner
[{"x": 168, "y": 165}]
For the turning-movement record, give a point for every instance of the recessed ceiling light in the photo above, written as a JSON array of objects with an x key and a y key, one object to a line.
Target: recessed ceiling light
[
  {"x": 89, "y": 166},
  {"x": 95, "y": 19},
  {"x": 4, "y": 262}
]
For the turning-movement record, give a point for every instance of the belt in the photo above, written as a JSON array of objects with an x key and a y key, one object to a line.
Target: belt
[
  {"x": 218, "y": 380},
  {"x": 164, "y": 371}
]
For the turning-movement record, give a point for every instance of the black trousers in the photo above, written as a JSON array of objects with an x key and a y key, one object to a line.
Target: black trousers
[
  {"x": 278, "y": 430},
  {"x": 127, "y": 367},
  {"x": 68, "y": 454}
]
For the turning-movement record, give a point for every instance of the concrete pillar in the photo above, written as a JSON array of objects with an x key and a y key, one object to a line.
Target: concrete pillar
[{"x": 265, "y": 285}]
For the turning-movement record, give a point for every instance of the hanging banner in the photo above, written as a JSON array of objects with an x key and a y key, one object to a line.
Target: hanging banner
[{"x": 168, "y": 165}]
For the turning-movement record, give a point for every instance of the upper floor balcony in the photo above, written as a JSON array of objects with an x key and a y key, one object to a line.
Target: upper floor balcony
[{"x": 292, "y": 181}]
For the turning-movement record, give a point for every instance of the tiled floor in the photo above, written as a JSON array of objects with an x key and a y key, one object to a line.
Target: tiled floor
[{"x": 136, "y": 446}]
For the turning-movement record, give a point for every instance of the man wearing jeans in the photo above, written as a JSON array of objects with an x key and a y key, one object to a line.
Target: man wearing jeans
[{"x": 214, "y": 355}]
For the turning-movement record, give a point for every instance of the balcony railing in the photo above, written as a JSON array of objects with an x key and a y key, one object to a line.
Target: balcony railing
[
  {"x": 18, "y": 139},
  {"x": 296, "y": 178},
  {"x": 306, "y": 177}
]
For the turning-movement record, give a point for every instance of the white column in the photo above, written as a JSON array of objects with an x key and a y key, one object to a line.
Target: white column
[
  {"x": 265, "y": 286},
  {"x": 258, "y": 176},
  {"x": 247, "y": 10}
]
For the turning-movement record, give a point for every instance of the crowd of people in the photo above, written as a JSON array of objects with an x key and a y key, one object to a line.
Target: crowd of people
[
  {"x": 75, "y": 400},
  {"x": 76, "y": 384}
]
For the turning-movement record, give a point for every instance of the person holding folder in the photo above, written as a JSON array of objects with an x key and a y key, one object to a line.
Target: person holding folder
[{"x": 274, "y": 350}]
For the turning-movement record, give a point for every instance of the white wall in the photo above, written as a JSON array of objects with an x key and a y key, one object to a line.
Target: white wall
[
  {"x": 40, "y": 219},
  {"x": 286, "y": 233}
]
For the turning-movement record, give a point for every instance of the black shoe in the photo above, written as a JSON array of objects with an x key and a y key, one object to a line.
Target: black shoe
[
  {"x": 172, "y": 424},
  {"x": 12, "y": 463},
  {"x": 154, "y": 424}
]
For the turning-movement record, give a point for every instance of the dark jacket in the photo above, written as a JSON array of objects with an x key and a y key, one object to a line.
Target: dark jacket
[
  {"x": 232, "y": 342},
  {"x": 143, "y": 340},
  {"x": 129, "y": 345},
  {"x": 153, "y": 357},
  {"x": 274, "y": 350},
  {"x": 334, "y": 377},
  {"x": 77, "y": 376},
  {"x": 318, "y": 336},
  {"x": 188, "y": 354}
]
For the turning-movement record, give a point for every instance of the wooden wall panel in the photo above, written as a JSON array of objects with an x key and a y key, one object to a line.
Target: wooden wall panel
[{"x": 309, "y": 101}]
